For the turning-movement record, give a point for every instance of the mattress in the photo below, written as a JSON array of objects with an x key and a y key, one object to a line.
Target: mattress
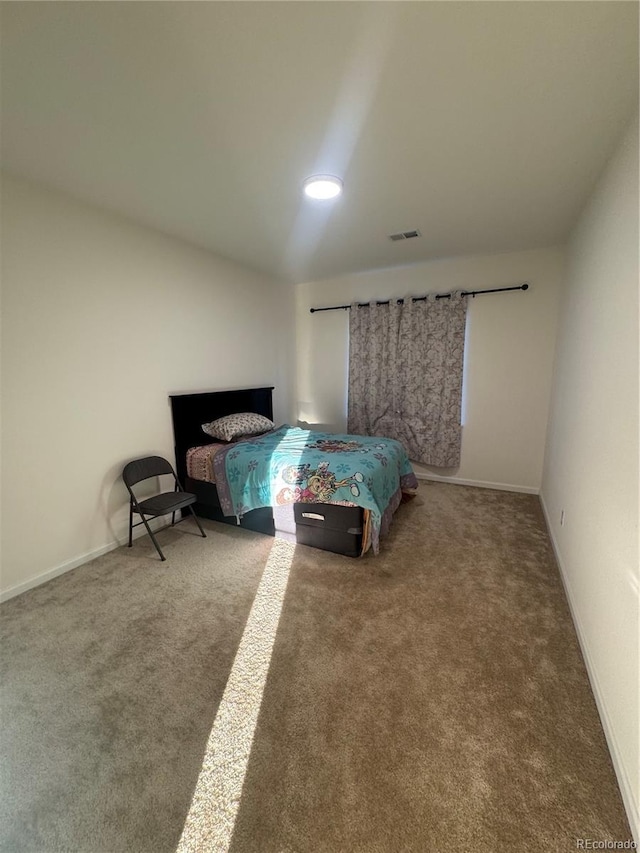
[{"x": 200, "y": 462}]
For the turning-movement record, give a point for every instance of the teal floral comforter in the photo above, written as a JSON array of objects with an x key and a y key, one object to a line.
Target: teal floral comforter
[{"x": 291, "y": 465}]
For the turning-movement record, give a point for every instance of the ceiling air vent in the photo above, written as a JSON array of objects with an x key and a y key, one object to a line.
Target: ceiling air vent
[{"x": 404, "y": 235}]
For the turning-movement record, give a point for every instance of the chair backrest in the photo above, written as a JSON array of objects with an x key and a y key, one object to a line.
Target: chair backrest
[{"x": 142, "y": 469}]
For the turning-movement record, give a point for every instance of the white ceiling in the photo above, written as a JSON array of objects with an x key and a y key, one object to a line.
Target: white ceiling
[{"x": 484, "y": 125}]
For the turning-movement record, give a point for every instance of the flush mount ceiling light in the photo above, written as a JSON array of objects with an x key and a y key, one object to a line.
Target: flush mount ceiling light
[{"x": 322, "y": 186}]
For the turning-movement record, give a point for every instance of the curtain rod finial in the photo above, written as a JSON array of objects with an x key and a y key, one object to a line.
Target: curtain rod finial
[{"x": 525, "y": 287}]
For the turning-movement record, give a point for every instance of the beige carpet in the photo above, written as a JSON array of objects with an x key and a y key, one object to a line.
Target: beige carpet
[{"x": 429, "y": 699}]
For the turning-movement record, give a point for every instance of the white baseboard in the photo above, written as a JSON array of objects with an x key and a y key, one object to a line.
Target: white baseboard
[
  {"x": 6, "y": 594},
  {"x": 481, "y": 484},
  {"x": 631, "y": 806}
]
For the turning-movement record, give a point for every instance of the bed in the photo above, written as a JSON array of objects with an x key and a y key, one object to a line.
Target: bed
[{"x": 337, "y": 493}]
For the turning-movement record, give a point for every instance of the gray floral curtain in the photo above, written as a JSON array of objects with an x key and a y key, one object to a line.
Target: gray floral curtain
[{"x": 405, "y": 375}]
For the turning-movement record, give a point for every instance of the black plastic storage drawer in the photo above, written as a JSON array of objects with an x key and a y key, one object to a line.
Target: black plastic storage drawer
[{"x": 330, "y": 527}]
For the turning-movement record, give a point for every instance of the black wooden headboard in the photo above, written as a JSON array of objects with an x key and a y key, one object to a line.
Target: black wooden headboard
[{"x": 190, "y": 411}]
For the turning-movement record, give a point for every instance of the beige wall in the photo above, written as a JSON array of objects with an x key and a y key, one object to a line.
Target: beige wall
[
  {"x": 591, "y": 465},
  {"x": 508, "y": 356},
  {"x": 102, "y": 319}
]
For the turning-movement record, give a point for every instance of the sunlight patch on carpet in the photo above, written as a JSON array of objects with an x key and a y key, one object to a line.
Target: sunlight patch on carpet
[{"x": 214, "y": 807}]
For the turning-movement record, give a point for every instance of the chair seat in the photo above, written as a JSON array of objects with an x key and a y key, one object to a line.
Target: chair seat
[{"x": 166, "y": 502}]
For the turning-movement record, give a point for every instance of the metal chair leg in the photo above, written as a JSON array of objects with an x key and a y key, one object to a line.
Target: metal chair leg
[
  {"x": 153, "y": 538},
  {"x": 130, "y": 524},
  {"x": 204, "y": 535},
  {"x": 173, "y": 518}
]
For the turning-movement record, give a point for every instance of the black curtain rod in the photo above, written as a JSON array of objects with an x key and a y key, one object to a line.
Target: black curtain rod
[{"x": 423, "y": 298}]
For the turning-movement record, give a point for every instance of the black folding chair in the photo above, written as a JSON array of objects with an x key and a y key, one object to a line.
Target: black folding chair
[{"x": 161, "y": 504}]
